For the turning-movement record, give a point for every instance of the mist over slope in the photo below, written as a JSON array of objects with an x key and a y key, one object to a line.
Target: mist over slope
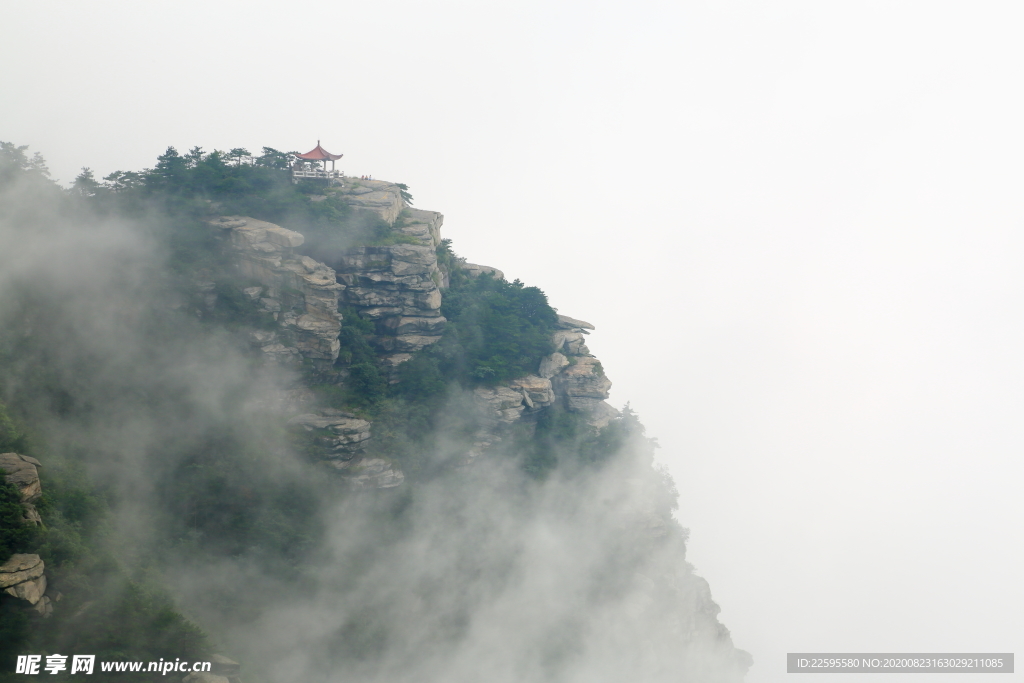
[{"x": 326, "y": 447}]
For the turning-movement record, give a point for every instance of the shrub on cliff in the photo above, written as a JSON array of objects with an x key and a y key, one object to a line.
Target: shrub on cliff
[
  {"x": 15, "y": 536},
  {"x": 497, "y": 330}
]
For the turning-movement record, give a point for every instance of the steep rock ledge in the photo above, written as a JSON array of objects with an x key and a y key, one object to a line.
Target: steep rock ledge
[
  {"x": 21, "y": 471},
  {"x": 300, "y": 292},
  {"x": 570, "y": 374},
  {"x": 399, "y": 286},
  {"x": 380, "y": 196}
]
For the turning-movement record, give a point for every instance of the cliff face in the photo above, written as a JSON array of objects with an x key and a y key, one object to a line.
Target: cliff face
[
  {"x": 399, "y": 288},
  {"x": 529, "y": 538},
  {"x": 300, "y": 293},
  {"x": 23, "y": 575}
]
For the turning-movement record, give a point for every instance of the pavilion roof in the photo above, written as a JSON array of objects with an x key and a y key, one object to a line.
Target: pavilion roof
[{"x": 318, "y": 153}]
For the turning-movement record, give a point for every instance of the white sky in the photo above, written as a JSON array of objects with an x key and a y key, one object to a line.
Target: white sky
[{"x": 796, "y": 225}]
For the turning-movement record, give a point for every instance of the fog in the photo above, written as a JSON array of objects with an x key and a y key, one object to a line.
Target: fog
[
  {"x": 795, "y": 225},
  {"x": 479, "y": 573}
]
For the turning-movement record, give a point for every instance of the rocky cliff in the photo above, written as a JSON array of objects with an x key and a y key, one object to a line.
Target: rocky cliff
[
  {"x": 23, "y": 575},
  {"x": 399, "y": 288},
  {"x": 301, "y": 294},
  {"x": 415, "y": 497}
]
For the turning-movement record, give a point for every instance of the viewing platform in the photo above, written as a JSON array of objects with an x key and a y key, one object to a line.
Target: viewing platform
[
  {"x": 313, "y": 166},
  {"x": 301, "y": 173}
]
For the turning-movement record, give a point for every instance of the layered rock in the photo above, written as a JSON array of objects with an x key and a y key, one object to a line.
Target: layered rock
[
  {"x": 379, "y": 196},
  {"x": 476, "y": 270},
  {"x": 300, "y": 293},
  {"x": 584, "y": 386},
  {"x": 537, "y": 391},
  {"x": 23, "y": 577},
  {"x": 338, "y": 435},
  {"x": 576, "y": 375},
  {"x": 339, "y": 441},
  {"x": 499, "y": 405},
  {"x": 398, "y": 286},
  {"x": 570, "y": 375}
]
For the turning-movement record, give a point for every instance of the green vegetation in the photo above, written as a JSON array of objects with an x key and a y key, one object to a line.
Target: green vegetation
[
  {"x": 15, "y": 537},
  {"x": 217, "y": 475},
  {"x": 118, "y": 612},
  {"x": 497, "y": 330}
]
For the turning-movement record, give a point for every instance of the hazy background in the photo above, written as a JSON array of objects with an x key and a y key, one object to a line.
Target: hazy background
[{"x": 797, "y": 227}]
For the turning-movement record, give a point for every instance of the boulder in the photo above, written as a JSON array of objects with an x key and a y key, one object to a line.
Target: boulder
[
  {"x": 21, "y": 471},
  {"x": 567, "y": 323},
  {"x": 585, "y": 379},
  {"x": 384, "y": 199},
  {"x": 570, "y": 342},
  {"x": 19, "y": 568},
  {"x": 499, "y": 404},
  {"x": 537, "y": 391},
  {"x": 476, "y": 270},
  {"x": 228, "y": 222},
  {"x": 412, "y": 259},
  {"x": 346, "y": 435}
]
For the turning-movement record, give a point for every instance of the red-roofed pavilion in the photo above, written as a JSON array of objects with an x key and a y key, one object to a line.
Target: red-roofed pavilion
[
  {"x": 318, "y": 153},
  {"x": 300, "y": 169}
]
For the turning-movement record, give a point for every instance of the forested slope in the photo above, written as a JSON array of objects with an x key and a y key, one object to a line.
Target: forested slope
[{"x": 289, "y": 424}]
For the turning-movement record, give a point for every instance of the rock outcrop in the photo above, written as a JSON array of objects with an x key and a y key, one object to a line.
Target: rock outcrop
[
  {"x": 338, "y": 435},
  {"x": 23, "y": 577},
  {"x": 338, "y": 440},
  {"x": 380, "y": 196},
  {"x": 300, "y": 293},
  {"x": 21, "y": 471},
  {"x": 537, "y": 391},
  {"x": 398, "y": 286},
  {"x": 476, "y": 270},
  {"x": 570, "y": 375}
]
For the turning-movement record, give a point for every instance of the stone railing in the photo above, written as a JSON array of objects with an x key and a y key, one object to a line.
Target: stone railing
[{"x": 317, "y": 173}]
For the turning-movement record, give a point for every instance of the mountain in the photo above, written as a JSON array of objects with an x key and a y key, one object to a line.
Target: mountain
[{"x": 286, "y": 423}]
